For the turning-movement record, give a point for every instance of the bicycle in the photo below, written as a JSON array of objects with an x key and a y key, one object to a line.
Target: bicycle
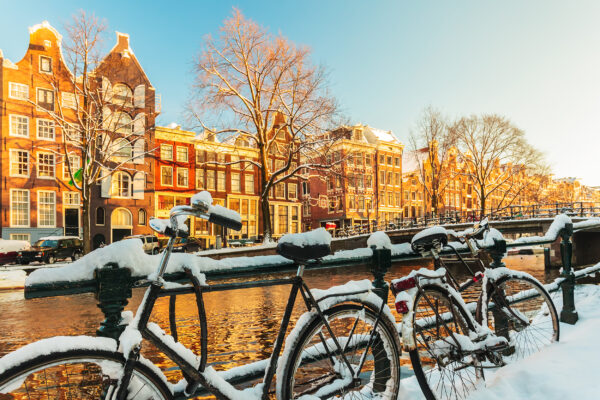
[
  {"x": 345, "y": 345},
  {"x": 451, "y": 343}
]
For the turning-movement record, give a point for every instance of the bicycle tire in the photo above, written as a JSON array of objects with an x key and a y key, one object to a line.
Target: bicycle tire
[
  {"x": 543, "y": 328},
  {"x": 384, "y": 381},
  {"x": 78, "y": 374},
  {"x": 454, "y": 380}
]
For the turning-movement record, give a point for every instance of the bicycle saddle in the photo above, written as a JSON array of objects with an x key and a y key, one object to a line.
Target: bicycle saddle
[
  {"x": 302, "y": 247},
  {"x": 435, "y": 237}
]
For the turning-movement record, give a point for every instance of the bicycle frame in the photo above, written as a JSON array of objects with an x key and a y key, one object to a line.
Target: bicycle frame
[{"x": 196, "y": 376}]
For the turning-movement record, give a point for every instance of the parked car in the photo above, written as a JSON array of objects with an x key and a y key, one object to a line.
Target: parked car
[
  {"x": 149, "y": 242},
  {"x": 52, "y": 248},
  {"x": 10, "y": 248},
  {"x": 186, "y": 245}
]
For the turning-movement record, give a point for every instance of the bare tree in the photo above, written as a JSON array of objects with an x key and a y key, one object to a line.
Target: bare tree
[
  {"x": 263, "y": 90},
  {"x": 98, "y": 138},
  {"x": 430, "y": 146},
  {"x": 497, "y": 158}
]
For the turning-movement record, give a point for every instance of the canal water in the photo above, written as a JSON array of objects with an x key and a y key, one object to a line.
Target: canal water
[{"x": 242, "y": 323}]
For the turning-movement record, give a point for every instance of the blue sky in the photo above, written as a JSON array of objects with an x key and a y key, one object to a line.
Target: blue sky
[{"x": 535, "y": 62}]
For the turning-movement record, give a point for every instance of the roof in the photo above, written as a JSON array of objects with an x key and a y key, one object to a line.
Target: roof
[
  {"x": 411, "y": 160},
  {"x": 375, "y": 135}
]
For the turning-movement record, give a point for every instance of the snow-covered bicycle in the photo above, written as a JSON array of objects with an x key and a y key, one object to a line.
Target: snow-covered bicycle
[
  {"x": 345, "y": 346},
  {"x": 451, "y": 342}
]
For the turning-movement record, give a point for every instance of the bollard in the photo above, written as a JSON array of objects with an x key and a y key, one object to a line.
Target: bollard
[
  {"x": 381, "y": 263},
  {"x": 568, "y": 313},
  {"x": 113, "y": 290}
]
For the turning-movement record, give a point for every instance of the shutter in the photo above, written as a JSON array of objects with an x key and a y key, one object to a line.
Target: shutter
[
  {"x": 138, "y": 185},
  {"x": 138, "y": 151},
  {"x": 106, "y": 118},
  {"x": 139, "y": 96},
  {"x": 139, "y": 124},
  {"x": 106, "y": 183},
  {"x": 107, "y": 90}
]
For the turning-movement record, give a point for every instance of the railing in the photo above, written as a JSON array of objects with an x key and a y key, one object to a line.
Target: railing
[{"x": 113, "y": 284}]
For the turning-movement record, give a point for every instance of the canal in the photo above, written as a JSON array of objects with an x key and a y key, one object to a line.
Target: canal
[{"x": 242, "y": 324}]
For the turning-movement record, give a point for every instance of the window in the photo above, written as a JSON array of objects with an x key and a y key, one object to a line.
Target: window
[
  {"x": 406, "y": 195},
  {"x": 18, "y": 91},
  {"x": 45, "y": 99},
  {"x": 368, "y": 160},
  {"x": 19, "y": 208},
  {"x": 19, "y": 125},
  {"x": 236, "y": 183},
  {"x": 182, "y": 154},
  {"x": 305, "y": 188},
  {"x": 234, "y": 159},
  {"x": 19, "y": 163},
  {"x": 249, "y": 183},
  {"x": 369, "y": 182},
  {"x": 210, "y": 156},
  {"x": 295, "y": 220},
  {"x": 292, "y": 191},
  {"x": 397, "y": 161},
  {"x": 279, "y": 164},
  {"x": 397, "y": 178},
  {"x": 166, "y": 152},
  {"x": 72, "y": 133},
  {"x": 121, "y": 122},
  {"x": 122, "y": 95},
  {"x": 121, "y": 148},
  {"x": 280, "y": 190},
  {"x": 99, "y": 216},
  {"x": 121, "y": 184},
  {"x": 351, "y": 204},
  {"x": 71, "y": 199},
  {"x": 330, "y": 182},
  {"x": 166, "y": 175},
  {"x": 45, "y": 165},
  {"x": 389, "y": 160},
  {"x": 182, "y": 177},
  {"x": 390, "y": 179},
  {"x": 68, "y": 100},
  {"x": 200, "y": 157},
  {"x": 45, "y": 64},
  {"x": 221, "y": 181},
  {"x": 141, "y": 216},
  {"x": 210, "y": 180},
  {"x": 199, "y": 178},
  {"x": 75, "y": 163},
  {"x": 381, "y": 159},
  {"x": 20, "y": 236},
  {"x": 397, "y": 199},
  {"x": 360, "y": 203},
  {"x": 282, "y": 219},
  {"x": 45, "y": 129},
  {"x": 382, "y": 177},
  {"x": 46, "y": 209}
]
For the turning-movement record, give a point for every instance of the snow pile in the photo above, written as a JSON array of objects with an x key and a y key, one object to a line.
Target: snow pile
[
  {"x": 315, "y": 237},
  {"x": 380, "y": 240},
  {"x": 202, "y": 197},
  {"x": 589, "y": 223},
  {"x": 7, "y": 246},
  {"x": 559, "y": 223},
  {"x": 225, "y": 213},
  {"x": 127, "y": 253},
  {"x": 434, "y": 230},
  {"x": 12, "y": 279}
]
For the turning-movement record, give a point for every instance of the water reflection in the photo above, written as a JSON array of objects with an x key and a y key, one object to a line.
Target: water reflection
[{"x": 242, "y": 323}]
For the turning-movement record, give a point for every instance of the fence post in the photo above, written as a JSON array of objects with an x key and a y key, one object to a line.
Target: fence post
[
  {"x": 113, "y": 291},
  {"x": 568, "y": 313},
  {"x": 381, "y": 263},
  {"x": 497, "y": 252}
]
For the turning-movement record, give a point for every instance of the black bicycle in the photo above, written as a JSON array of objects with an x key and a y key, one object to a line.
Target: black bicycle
[{"x": 345, "y": 346}]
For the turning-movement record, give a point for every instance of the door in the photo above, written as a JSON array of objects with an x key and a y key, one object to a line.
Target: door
[{"x": 72, "y": 222}]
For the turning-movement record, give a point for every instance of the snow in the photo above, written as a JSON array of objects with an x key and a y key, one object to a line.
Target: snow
[
  {"x": 434, "y": 230},
  {"x": 58, "y": 237},
  {"x": 13, "y": 245},
  {"x": 315, "y": 237},
  {"x": 225, "y": 213},
  {"x": 560, "y": 221},
  {"x": 179, "y": 348},
  {"x": 12, "y": 279},
  {"x": 380, "y": 240},
  {"x": 590, "y": 223},
  {"x": 203, "y": 196}
]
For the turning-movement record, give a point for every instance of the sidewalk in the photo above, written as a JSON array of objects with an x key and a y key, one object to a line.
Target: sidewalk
[{"x": 565, "y": 370}]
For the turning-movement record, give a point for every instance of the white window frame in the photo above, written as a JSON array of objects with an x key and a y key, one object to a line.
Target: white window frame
[
  {"x": 14, "y": 86},
  {"x": 224, "y": 180},
  {"x": 66, "y": 195},
  {"x": 73, "y": 168},
  {"x": 25, "y": 236},
  {"x": 40, "y": 64},
  {"x": 38, "y": 165},
  {"x": 37, "y": 98},
  {"x": 187, "y": 177},
  {"x": 295, "y": 191},
  {"x": 37, "y": 129},
  {"x": 68, "y": 100},
  {"x": 187, "y": 157},
  {"x": 39, "y": 207},
  {"x": 237, "y": 189},
  {"x": 248, "y": 189},
  {"x": 161, "y": 175},
  {"x": 10, "y": 166},
  {"x": 72, "y": 133},
  {"x": 11, "y": 132},
  {"x": 200, "y": 174},
  {"x": 164, "y": 145},
  {"x": 28, "y": 208},
  {"x": 114, "y": 181}
]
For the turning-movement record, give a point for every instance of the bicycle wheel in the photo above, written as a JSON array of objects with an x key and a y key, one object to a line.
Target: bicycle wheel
[
  {"x": 315, "y": 366},
  {"x": 441, "y": 370},
  {"x": 78, "y": 374},
  {"x": 521, "y": 310}
]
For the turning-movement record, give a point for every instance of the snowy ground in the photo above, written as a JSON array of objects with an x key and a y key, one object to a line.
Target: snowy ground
[{"x": 565, "y": 370}]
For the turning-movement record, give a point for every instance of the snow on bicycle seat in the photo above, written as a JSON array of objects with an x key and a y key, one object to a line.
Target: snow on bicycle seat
[
  {"x": 311, "y": 245},
  {"x": 431, "y": 238}
]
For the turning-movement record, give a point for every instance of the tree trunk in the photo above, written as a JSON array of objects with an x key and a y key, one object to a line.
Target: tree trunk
[
  {"x": 481, "y": 204},
  {"x": 266, "y": 219},
  {"x": 87, "y": 234}
]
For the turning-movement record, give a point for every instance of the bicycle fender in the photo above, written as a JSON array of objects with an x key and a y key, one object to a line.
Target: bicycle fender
[{"x": 408, "y": 338}]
